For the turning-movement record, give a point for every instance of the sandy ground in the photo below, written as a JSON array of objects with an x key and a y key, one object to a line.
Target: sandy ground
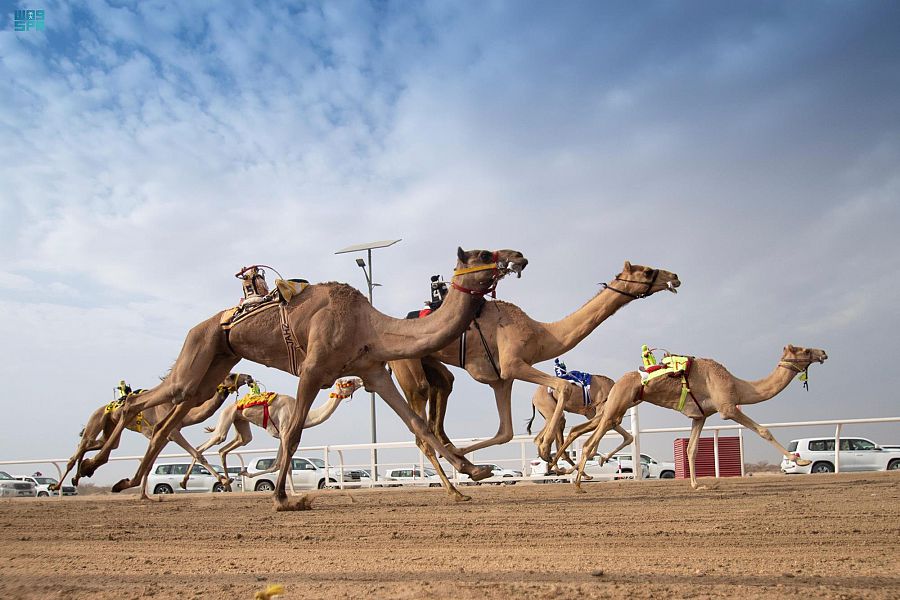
[{"x": 827, "y": 536}]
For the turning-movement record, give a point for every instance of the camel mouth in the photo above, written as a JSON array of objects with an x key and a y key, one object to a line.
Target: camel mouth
[
  {"x": 514, "y": 267},
  {"x": 672, "y": 286}
]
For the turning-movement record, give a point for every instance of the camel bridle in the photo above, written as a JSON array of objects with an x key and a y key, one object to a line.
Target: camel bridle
[
  {"x": 492, "y": 288},
  {"x": 791, "y": 365},
  {"x": 644, "y": 294}
]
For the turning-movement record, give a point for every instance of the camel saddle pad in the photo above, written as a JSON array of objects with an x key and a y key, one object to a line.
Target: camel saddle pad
[
  {"x": 288, "y": 288},
  {"x": 671, "y": 365},
  {"x": 249, "y": 400}
]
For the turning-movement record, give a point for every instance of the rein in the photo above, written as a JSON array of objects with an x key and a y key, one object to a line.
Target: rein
[{"x": 643, "y": 294}]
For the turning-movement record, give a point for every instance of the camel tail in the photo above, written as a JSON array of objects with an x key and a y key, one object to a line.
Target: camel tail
[{"x": 531, "y": 420}]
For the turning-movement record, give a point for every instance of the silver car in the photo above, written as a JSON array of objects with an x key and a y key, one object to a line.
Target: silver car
[{"x": 11, "y": 487}]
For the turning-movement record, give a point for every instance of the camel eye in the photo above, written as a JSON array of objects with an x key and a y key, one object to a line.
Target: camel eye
[
  {"x": 648, "y": 271},
  {"x": 486, "y": 256}
]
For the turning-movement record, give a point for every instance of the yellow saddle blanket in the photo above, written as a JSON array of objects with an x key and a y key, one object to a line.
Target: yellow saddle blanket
[
  {"x": 139, "y": 421},
  {"x": 670, "y": 365},
  {"x": 249, "y": 400}
]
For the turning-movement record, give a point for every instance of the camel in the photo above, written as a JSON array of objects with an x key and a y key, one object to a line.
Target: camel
[
  {"x": 711, "y": 388},
  {"x": 503, "y": 344},
  {"x": 326, "y": 331},
  {"x": 544, "y": 402},
  {"x": 104, "y": 419},
  {"x": 269, "y": 416}
]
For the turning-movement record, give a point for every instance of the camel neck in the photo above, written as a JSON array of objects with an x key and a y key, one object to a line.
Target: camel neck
[
  {"x": 569, "y": 331},
  {"x": 318, "y": 415},
  {"x": 415, "y": 338},
  {"x": 763, "y": 389}
]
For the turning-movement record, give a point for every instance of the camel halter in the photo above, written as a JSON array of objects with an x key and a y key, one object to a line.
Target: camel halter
[
  {"x": 230, "y": 388},
  {"x": 643, "y": 294},
  {"x": 492, "y": 290},
  {"x": 788, "y": 363}
]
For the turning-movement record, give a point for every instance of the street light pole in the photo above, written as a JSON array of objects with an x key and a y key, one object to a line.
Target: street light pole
[{"x": 368, "y": 273}]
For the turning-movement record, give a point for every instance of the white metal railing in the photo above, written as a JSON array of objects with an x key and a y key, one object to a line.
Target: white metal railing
[{"x": 525, "y": 442}]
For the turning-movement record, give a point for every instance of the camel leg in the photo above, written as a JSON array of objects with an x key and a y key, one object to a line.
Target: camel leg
[
  {"x": 178, "y": 438},
  {"x": 503, "y": 398},
  {"x": 434, "y": 421},
  {"x": 291, "y": 431},
  {"x": 440, "y": 394},
  {"x": 696, "y": 428},
  {"x": 574, "y": 434},
  {"x": 88, "y": 443},
  {"x": 200, "y": 367},
  {"x": 378, "y": 380},
  {"x": 627, "y": 438},
  {"x": 737, "y": 416}
]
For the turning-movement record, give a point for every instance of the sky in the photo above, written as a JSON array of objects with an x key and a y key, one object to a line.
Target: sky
[{"x": 149, "y": 150}]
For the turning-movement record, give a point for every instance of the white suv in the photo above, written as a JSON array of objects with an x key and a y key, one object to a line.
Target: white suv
[
  {"x": 856, "y": 454},
  {"x": 655, "y": 469},
  {"x": 306, "y": 473},
  {"x": 167, "y": 478},
  {"x": 611, "y": 469},
  {"x": 42, "y": 486},
  {"x": 15, "y": 488},
  {"x": 411, "y": 476}
]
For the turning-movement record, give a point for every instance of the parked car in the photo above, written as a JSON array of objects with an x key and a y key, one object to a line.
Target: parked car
[
  {"x": 42, "y": 486},
  {"x": 411, "y": 476},
  {"x": 351, "y": 477},
  {"x": 305, "y": 472},
  {"x": 166, "y": 479},
  {"x": 611, "y": 469},
  {"x": 855, "y": 454},
  {"x": 500, "y": 476},
  {"x": 655, "y": 469},
  {"x": 14, "y": 488},
  {"x": 891, "y": 446}
]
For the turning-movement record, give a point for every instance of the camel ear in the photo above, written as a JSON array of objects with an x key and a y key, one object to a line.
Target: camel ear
[
  {"x": 460, "y": 254},
  {"x": 789, "y": 348},
  {"x": 627, "y": 266}
]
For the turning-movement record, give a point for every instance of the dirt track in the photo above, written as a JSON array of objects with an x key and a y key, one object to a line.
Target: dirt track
[{"x": 823, "y": 536}]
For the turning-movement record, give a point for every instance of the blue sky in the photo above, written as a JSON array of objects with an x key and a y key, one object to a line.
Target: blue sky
[{"x": 151, "y": 149}]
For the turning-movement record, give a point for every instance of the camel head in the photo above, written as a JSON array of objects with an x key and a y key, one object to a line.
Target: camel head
[
  {"x": 478, "y": 271},
  {"x": 234, "y": 381},
  {"x": 346, "y": 386},
  {"x": 803, "y": 357},
  {"x": 638, "y": 281}
]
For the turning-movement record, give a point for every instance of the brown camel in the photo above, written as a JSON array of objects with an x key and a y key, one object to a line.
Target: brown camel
[
  {"x": 269, "y": 416},
  {"x": 103, "y": 420},
  {"x": 515, "y": 342},
  {"x": 545, "y": 402},
  {"x": 711, "y": 389},
  {"x": 327, "y": 331}
]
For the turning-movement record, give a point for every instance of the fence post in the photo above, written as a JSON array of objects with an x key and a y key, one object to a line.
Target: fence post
[
  {"x": 636, "y": 466},
  {"x": 716, "y": 450},
  {"x": 837, "y": 448},
  {"x": 741, "y": 447}
]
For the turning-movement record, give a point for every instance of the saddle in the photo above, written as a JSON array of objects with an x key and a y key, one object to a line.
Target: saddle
[
  {"x": 578, "y": 378},
  {"x": 672, "y": 365},
  {"x": 285, "y": 289},
  {"x": 264, "y": 400}
]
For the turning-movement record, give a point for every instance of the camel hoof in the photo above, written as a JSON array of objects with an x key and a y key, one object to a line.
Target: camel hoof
[
  {"x": 183, "y": 485},
  {"x": 87, "y": 468},
  {"x": 587, "y": 477},
  {"x": 460, "y": 497},
  {"x": 578, "y": 490},
  {"x": 122, "y": 484},
  {"x": 480, "y": 472},
  {"x": 302, "y": 502}
]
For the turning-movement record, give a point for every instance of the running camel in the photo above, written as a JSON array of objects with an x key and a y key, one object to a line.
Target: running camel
[
  {"x": 706, "y": 388},
  {"x": 328, "y": 331}
]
